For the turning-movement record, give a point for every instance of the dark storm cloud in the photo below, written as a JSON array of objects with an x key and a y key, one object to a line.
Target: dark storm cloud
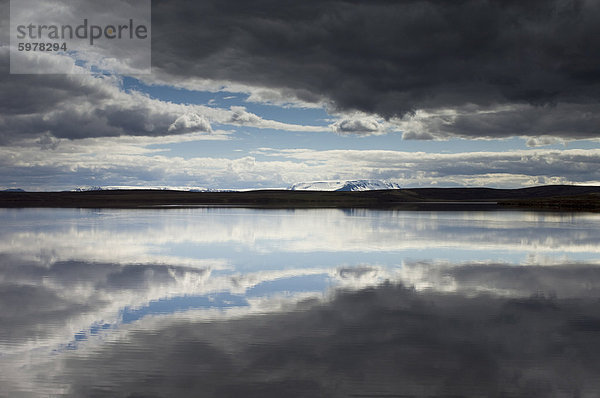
[
  {"x": 392, "y": 58},
  {"x": 385, "y": 341},
  {"x": 540, "y": 58},
  {"x": 568, "y": 120}
]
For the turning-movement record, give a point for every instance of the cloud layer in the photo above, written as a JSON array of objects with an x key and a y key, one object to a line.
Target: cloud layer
[
  {"x": 393, "y": 59},
  {"x": 139, "y": 161},
  {"x": 435, "y": 69}
]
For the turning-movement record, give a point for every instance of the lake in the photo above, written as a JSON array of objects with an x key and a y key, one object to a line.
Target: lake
[{"x": 229, "y": 302}]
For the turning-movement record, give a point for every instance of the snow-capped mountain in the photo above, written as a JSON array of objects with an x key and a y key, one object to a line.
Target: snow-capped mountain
[
  {"x": 86, "y": 189},
  {"x": 352, "y": 185}
]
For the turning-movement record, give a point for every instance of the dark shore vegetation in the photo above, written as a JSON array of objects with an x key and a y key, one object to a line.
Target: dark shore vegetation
[{"x": 555, "y": 197}]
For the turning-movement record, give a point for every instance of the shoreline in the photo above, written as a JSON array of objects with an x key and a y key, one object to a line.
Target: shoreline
[{"x": 546, "y": 198}]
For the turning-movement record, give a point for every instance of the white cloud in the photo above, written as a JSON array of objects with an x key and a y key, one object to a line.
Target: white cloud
[
  {"x": 190, "y": 122},
  {"x": 256, "y": 94},
  {"x": 358, "y": 126},
  {"x": 238, "y": 115},
  {"x": 544, "y": 141}
]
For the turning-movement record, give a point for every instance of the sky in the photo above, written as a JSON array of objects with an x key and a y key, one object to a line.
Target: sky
[{"x": 265, "y": 94}]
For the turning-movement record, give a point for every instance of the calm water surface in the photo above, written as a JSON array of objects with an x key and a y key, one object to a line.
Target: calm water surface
[{"x": 307, "y": 303}]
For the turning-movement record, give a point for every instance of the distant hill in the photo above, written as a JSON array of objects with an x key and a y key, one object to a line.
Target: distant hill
[
  {"x": 344, "y": 186},
  {"x": 13, "y": 190}
]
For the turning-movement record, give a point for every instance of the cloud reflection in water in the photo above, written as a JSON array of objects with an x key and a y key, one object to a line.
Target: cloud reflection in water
[{"x": 216, "y": 302}]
